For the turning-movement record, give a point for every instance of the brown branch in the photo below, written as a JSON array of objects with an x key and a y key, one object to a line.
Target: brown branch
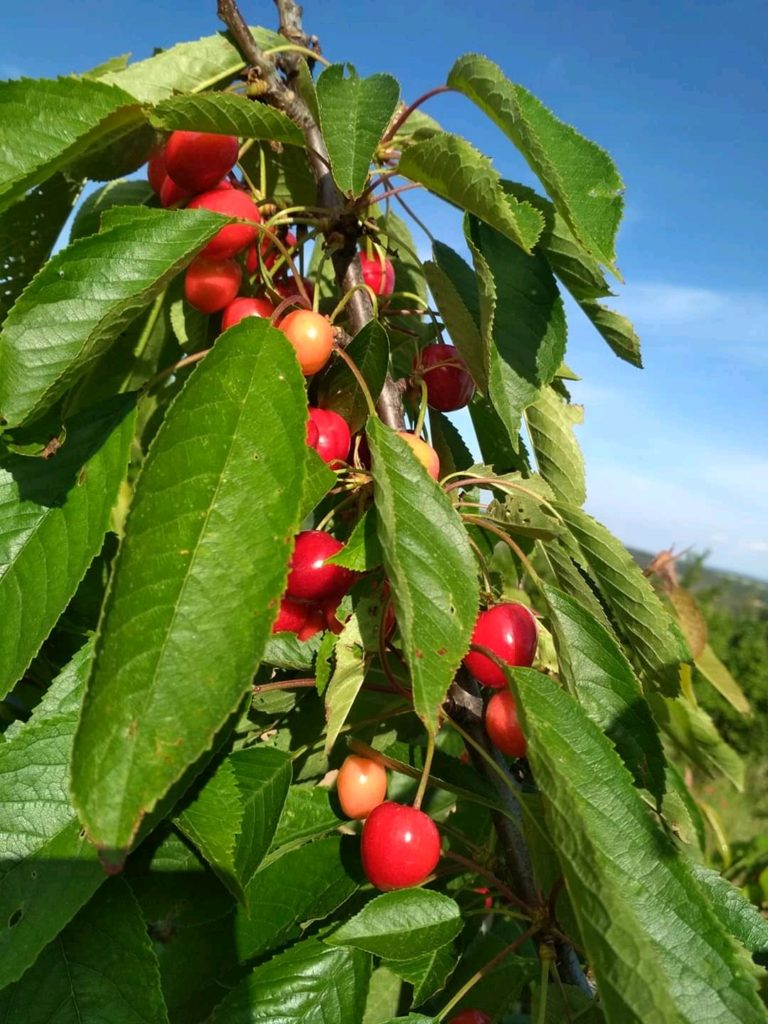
[{"x": 343, "y": 230}]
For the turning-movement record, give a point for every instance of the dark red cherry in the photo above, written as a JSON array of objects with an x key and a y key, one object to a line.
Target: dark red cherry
[
  {"x": 233, "y": 203},
  {"x": 449, "y": 385},
  {"x": 471, "y": 1017},
  {"x": 210, "y": 284},
  {"x": 400, "y": 846},
  {"x": 502, "y": 725},
  {"x": 333, "y": 438},
  {"x": 156, "y": 172},
  {"x": 312, "y": 433},
  {"x": 297, "y": 617},
  {"x": 242, "y": 307},
  {"x": 509, "y": 630},
  {"x": 378, "y": 274},
  {"x": 310, "y": 579},
  {"x": 196, "y": 161}
]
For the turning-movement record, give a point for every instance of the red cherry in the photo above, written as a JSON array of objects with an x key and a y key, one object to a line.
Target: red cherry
[
  {"x": 502, "y": 725},
  {"x": 361, "y": 785},
  {"x": 426, "y": 455},
  {"x": 171, "y": 194},
  {"x": 471, "y": 1017},
  {"x": 310, "y": 579},
  {"x": 312, "y": 337},
  {"x": 242, "y": 307},
  {"x": 156, "y": 172},
  {"x": 312, "y": 433},
  {"x": 449, "y": 385},
  {"x": 233, "y": 203},
  {"x": 297, "y": 617},
  {"x": 198, "y": 160},
  {"x": 288, "y": 290},
  {"x": 333, "y": 437},
  {"x": 329, "y": 607},
  {"x": 509, "y": 630},
  {"x": 378, "y": 274},
  {"x": 400, "y": 846},
  {"x": 210, "y": 284}
]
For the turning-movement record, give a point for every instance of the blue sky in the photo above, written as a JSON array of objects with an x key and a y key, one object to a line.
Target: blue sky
[{"x": 678, "y": 93}]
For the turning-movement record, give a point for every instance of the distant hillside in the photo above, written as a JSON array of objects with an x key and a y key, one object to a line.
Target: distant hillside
[{"x": 732, "y": 591}]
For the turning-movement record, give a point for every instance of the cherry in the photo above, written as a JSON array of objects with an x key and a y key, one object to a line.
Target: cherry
[
  {"x": 471, "y": 1017},
  {"x": 378, "y": 274},
  {"x": 361, "y": 786},
  {"x": 449, "y": 385},
  {"x": 333, "y": 437},
  {"x": 502, "y": 725},
  {"x": 269, "y": 253},
  {"x": 288, "y": 290},
  {"x": 509, "y": 630},
  {"x": 233, "y": 203},
  {"x": 297, "y": 617},
  {"x": 312, "y": 337},
  {"x": 156, "y": 172},
  {"x": 171, "y": 193},
  {"x": 210, "y": 284},
  {"x": 426, "y": 455},
  {"x": 313, "y": 434},
  {"x": 400, "y": 846},
  {"x": 197, "y": 160},
  {"x": 310, "y": 579},
  {"x": 242, "y": 307}
]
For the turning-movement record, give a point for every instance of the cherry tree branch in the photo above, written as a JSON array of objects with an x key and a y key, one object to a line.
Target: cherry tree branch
[{"x": 343, "y": 229}]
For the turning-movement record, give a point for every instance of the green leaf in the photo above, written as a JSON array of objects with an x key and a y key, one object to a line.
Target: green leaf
[
  {"x": 580, "y": 177},
  {"x": 48, "y": 870},
  {"x": 523, "y": 511},
  {"x": 347, "y": 678},
  {"x": 427, "y": 973},
  {"x": 54, "y": 515},
  {"x": 454, "y": 287},
  {"x": 223, "y": 113},
  {"x": 28, "y": 231},
  {"x": 452, "y": 168},
  {"x": 310, "y": 983},
  {"x": 498, "y": 450},
  {"x": 402, "y": 925},
  {"x": 654, "y": 642},
  {"x": 232, "y": 819},
  {"x": 338, "y": 388},
  {"x": 695, "y": 734},
  {"x": 657, "y": 949},
  {"x": 523, "y": 323},
  {"x": 307, "y": 813},
  {"x": 737, "y": 915},
  {"x": 187, "y": 67},
  {"x": 48, "y": 124},
  {"x": 362, "y": 551},
  {"x": 715, "y": 672},
  {"x": 318, "y": 480},
  {"x": 550, "y": 425},
  {"x": 448, "y": 443},
  {"x": 115, "y": 193},
  {"x": 430, "y": 567},
  {"x": 597, "y": 672},
  {"x": 302, "y": 885},
  {"x": 100, "y": 970},
  {"x": 85, "y": 297},
  {"x": 354, "y": 113},
  {"x": 188, "y": 616},
  {"x": 574, "y": 582}
]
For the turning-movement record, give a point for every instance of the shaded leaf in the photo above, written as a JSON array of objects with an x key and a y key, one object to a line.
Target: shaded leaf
[
  {"x": 695, "y": 734},
  {"x": 448, "y": 443},
  {"x": 580, "y": 177},
  {"x": 362, "y": 550},
  {"x": 37, "y": 219},
  {"x": 523, "y": 322},
  {"x": 427, "y": 973},
  {"x": 85, "y": 297},
  {"x": 311, "y": 983},
  {"x": 454, "y": 288},
  {"x": 100, "y": 970},
  {"x": 657, "y": 950},
  {"x": 740, "y": 917},
  {"x": 598, "y": 673},
  {"x": 338, "y": 388},
  {"x": 402, "y": 925},
  {"x": 429, "y": 565},
  {"x": 354, "y": 112},
  {"x": 318, "y": 480},
  {"x": 48, "y": 123},
  {"x": 452, "y": 168},
  {"x": 188, "y": 617},
  {"x": 54, "y": 514},
  {"x": 307, "y": 813},
  {"x": 232, "y": 819},
  {"x": 115, "y": 193},
  {"x": 224, "y": 113},
  {"x": 550, "y": 424},
  {"x": 690, "y": 618}
]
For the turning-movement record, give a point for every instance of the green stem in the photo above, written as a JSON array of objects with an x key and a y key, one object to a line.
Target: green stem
[
  {"x": 345, "y": 299},
  {"x": 541, "y": 1016},
  {"x": 422, "y": 408},
  {"x": 425, "y": 772},
  {"x": 360, "y": 380}
]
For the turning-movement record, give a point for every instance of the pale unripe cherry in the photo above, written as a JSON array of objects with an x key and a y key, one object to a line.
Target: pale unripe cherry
[
  {"x": 361, "y": 785},
  {"x": 425, "y": 453},
  {"x": 311, "y": 336}
]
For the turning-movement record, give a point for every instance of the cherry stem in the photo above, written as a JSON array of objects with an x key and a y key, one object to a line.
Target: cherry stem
[
  {"x": 285, "y": 253},
  {"x": 292, "y": 300},
  {"x": 359, "y": 378},
  {"x": 400, "y": 120},
  {"x": 282, "y": 684},
  {"x": 186, "y": 361},
  {"x": 345, "y": 299},
  {"x": 422, "y": 408},
  {"x": 303, "y": 50},
  {"x": 425, "y": 772},
  {"x": 397, "y": 191},
  {"x": 486, "y": 970},
  {"x": 492, "y": 528},
  {"x": 472, "y": 865},
  {"x": 416, "y": 219}
]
